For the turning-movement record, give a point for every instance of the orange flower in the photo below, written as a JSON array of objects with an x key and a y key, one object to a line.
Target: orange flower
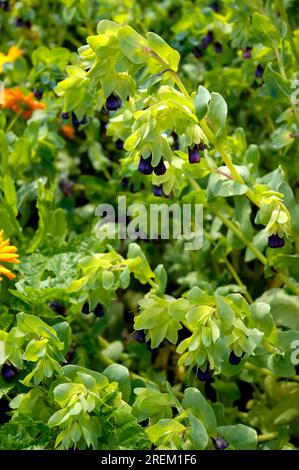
[
  {"x": 8, "y": 254},
  {"x": 18, "y": 102},
  {"x": 12, "y": 55},
  {"x": 68, "y": 131}
]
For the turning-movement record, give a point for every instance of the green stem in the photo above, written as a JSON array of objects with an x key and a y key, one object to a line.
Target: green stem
[
  {"x": 13, "y": 121},
  {"x": 238, "y": 280},
  {"x": 267, "y": 437},
  {"x": 284, "y": 16}
]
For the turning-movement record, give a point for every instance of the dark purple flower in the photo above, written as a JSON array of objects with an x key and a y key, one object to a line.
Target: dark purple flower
[
  {"x": 5, "y": 6},
  {"x": 197, "y": 52},
  {"x": 27, "y": 24},
  {"x": 85, "y": 308},
  {"x": 75, "y": 121},
  {"x": 113, "y": 102},
  {"x": 145, "y": 166},
  {"x": 247, "y": 53},
  {"x": 125, "y": 183},
  {"x": 84, "y": 120},
  {"x": 160, "y": 169},
  {"x": 234, "y": 359},
  {"x": 203, "y": 376},
  {"x": 218, "y": 47},
  {"x": 193, "y": 154},
  {"x": 275, "y": 241},
  {"x": 201, "y": 146},
  {"x": 119, "y": 144},
  {"x": 70, "y": 354},
  {"x": 255, "y": 85},
  {"x": 38, "y": 93},
  {"x": 140, "y": 336},
  {"x": 158, "y": 191},
  {"x": 207, "y": 39},
  {"x": 57, "y": 307},
  {"x": 19, "y": 22},
  {"x": 259, "y": 71},
  {"x": 65, "y": 115},
  {"x": 215, "y": 6},
  {"x": 175, "y": 144},
  {"x": 9, "y": 373},
  {"x": 220, "y": 443},
  {"x": 99, "y": 311}
]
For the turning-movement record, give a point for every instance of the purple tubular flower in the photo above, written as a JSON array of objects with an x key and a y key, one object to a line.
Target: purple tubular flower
[
  {"x": 9, "y": 373},
  {"x": 113, "y": 102},
  {"x": 275, "y": 241},
  {"x": 140, "y": 336},
  {"x": 220, "y": 443},
  {"x": 119, "y": 144},
  {"x": 65, "y": 115},
  {"x": 158, "y": 191},
  {"x": 259, "y": 71},
  {"x": 247, "y": 53},
  {"x": 193, "y": 154},
  {"x": 145, "y": 166},
  {"x": 234, "y": 359},
  {"x": 203, "y": 376},
  {"x": 215, "y": 6},
  {"x": 19, "y": 21},
  {"x": 75, "y": 121},
  {"x": 208, "y": 38},
  {"x": 57, "y": 307},
  {"x": 160, "y": 169},
  {"x": 201, "y": 146},
  {"x": 218, "y": 47},
  {"x": 85, "y": 308},
  {"x": 38, "y": 93},
  {"x": 197, "y": 52},
  {"x": 99, "y": 311},
  {"x": 125, "y": 183}
]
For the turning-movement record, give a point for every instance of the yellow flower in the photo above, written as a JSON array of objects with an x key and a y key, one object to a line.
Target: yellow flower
[
  {"x": 8, "y": 254},
  {"x": 12, "y": 55}
]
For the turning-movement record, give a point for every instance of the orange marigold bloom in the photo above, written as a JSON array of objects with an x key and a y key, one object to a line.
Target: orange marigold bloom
[
  {"x": 18, "y": 102},
  {"x": 68, "y": 131},
  {"x": 8, "y": 254},
  {"x": 13, "y": 53}
]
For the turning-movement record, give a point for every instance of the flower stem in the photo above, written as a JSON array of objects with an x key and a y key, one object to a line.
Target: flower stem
[
  {"x": 267, "y": 437},
  {"x": 238, "y": 280}
]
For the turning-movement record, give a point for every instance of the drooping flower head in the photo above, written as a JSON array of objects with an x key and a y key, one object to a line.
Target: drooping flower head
[
  {"x": 19, "y": 103},
  {"x": 8, "y": 254}
]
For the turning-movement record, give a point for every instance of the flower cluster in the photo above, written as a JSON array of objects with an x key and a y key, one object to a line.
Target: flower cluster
[{"x": 19, "y": 103}]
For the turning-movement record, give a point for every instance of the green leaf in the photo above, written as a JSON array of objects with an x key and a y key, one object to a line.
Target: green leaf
[
  {"x": 164, "y": 427},
  {"x": 217, "y": 115},
  {"x": 199, "y": 435},
  {"x": 239, "y": 437},
  {"x": 120, "y": 374},
  {"x": 276, "y": 87},
  {"x": 170, "y": 56},
  {"x": 194, "y": 400},
  {"x": 201, "y": 102},
  {"x": 264, "y": 30},
  {"x": 134, "y": 46}
]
